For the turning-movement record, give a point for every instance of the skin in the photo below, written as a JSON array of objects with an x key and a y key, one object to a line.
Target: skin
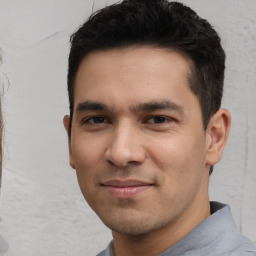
[{"x": 139, "y": 148}]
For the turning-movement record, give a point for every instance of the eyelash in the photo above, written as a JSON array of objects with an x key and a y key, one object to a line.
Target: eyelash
[
  {"x": 102, "y": 120},
  {"x": 162, "y": 119},
  {"x": 93, "y": 118}
]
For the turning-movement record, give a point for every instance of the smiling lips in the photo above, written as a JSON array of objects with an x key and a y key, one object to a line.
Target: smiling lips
[{"x": 127, "y": 188}]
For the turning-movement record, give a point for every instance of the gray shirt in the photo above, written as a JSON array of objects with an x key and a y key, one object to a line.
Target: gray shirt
[{"x": 215, "y": 236}]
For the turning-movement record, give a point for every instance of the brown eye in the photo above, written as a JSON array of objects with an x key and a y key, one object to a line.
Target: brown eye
[
  {"x": 95, "y": 120},
  {"x": 98, "y": 119},
  {"x": 158, "y": 120}
]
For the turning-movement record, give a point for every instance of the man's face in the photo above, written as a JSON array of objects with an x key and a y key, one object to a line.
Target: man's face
[{"x": 137, "y": 140}]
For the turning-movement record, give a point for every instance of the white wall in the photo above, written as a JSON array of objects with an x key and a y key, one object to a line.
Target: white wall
[{"x": 42, "y": 208}]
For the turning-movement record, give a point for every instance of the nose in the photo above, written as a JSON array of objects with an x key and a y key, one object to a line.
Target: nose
[{"x": 125, "y": 147}]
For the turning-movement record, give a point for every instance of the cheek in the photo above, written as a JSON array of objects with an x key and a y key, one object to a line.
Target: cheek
[
  {"x": 169, "y": 151},
  {"x": 178, "y": 155},
  {"x": 86, "y": 152},
  {"x": 181, "y": 165},
  {"x": 87, "y": 156}
]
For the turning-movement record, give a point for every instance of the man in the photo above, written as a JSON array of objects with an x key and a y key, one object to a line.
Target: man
[{"x": 145, "y": 83}]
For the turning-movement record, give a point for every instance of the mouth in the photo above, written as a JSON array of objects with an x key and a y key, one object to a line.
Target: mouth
[{"x": 126, "y": 188}]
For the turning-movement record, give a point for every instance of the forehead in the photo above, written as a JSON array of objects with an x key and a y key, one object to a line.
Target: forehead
[
  {"x": 146, "y": 56},
  {"x": 132, "y": 73}
]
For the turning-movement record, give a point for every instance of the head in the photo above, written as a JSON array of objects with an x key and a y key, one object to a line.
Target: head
[
  {"x": 145, "y": 82},
  {"x": 160, "y": 24}
]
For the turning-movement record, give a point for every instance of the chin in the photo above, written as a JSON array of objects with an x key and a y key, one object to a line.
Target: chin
[{"x": 134, "y": 227}]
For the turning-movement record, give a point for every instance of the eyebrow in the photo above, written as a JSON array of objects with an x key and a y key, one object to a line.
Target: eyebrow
[
  {"x": 91, "y": 105},
  {"x": 142, "y": 107},
  {"x": 155, "y": 105}
]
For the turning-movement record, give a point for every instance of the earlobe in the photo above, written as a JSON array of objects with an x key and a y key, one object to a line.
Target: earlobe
[
  {"x": 66, "y": 121},
  {"x": 217, "y": 133}
]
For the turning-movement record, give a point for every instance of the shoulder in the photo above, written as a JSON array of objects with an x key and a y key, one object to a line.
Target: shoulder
[
  {"x": 247, "y": 247},
  {"x": 230, "y": 241},
  {"x": 242, "y": 247}
]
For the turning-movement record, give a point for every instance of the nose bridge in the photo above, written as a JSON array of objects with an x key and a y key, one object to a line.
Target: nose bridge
[{"x": 126, "y": 145}]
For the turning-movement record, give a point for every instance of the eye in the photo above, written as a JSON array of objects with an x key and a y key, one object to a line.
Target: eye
[
  {"x": 159, "y": 120},
  {"x": 95, "y": 120}
]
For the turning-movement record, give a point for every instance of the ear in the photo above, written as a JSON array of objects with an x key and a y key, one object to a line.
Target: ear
[
  {"x": 66, "y": 121},
  {"x": 217, "y": 135}
]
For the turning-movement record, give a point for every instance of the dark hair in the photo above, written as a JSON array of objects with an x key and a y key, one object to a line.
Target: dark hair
[{"x": 161, "y": 24}]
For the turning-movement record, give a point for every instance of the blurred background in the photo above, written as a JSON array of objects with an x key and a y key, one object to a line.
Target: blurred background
[{"x": 42, "y": 209}]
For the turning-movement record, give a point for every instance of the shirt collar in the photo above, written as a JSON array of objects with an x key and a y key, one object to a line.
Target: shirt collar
[
  {"x": 212, "y": 231},
  {"x": 216, "y": 229}
]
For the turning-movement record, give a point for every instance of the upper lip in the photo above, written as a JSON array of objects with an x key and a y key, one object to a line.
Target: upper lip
[{"x": 126, "y": 183}]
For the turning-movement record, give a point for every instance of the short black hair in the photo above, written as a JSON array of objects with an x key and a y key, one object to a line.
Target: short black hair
[{"x": 161, "y": 24}]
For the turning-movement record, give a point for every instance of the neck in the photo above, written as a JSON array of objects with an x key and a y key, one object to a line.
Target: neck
[{"x": 157, "y": 242}]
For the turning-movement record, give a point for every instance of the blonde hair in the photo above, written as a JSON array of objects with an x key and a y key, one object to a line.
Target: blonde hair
[{"x": 1, "y": 121}]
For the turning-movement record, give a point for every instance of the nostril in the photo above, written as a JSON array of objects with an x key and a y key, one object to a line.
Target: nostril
[
  {"x": 110, "y": 163},
  {"x": 127, "y": 164}
]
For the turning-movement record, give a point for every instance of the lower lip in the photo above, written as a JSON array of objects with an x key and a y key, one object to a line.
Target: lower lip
[{"x": 126, "y": 192}]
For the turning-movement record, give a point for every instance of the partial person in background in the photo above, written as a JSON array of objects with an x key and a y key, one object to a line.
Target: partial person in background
[
  {"x": 3, "y": 244},
  {"x": 146, "y": 127},
  {"x": 1, "y": 121}
]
